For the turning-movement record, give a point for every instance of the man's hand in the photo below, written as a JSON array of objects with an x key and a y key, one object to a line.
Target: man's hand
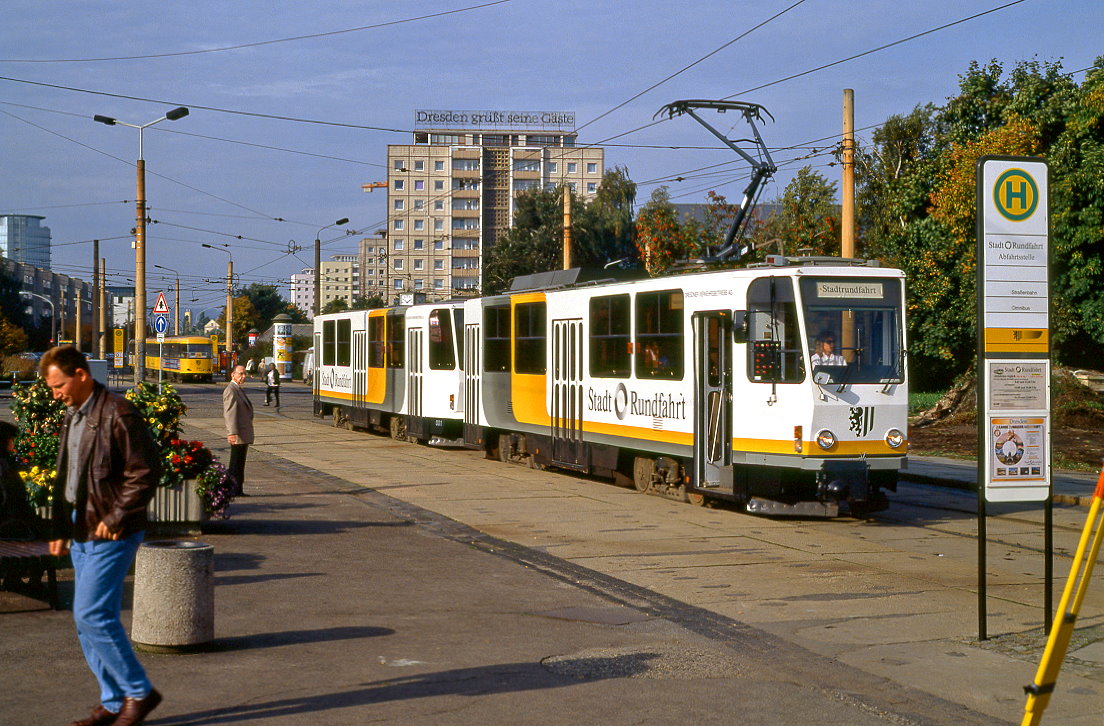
[
  {"x": 59, "y": 547},
  {"x": 232, "y": 438},
  {"x": 103, "y": 532}
]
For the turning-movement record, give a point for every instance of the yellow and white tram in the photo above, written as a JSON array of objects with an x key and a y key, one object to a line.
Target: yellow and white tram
[
  {"x": 182, "y": 357},
  {"x": 781, "y": 387}
]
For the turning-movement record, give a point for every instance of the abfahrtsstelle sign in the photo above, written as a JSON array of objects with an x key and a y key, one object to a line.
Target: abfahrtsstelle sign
[{"x": 1013, "y": 291}]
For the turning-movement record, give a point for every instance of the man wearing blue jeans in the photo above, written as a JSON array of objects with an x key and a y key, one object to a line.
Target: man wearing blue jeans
[{"x": 108, "y": 466}]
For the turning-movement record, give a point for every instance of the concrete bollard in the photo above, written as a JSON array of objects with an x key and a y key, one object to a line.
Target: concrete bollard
[{"x": 174, "y": 596}]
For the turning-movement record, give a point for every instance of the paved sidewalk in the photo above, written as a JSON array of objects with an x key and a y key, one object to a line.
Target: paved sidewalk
[
  {"x": 1068, "y": 487},
  {"x": 339, "y": 605}
]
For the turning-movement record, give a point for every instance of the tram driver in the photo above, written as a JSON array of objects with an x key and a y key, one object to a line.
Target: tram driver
[{"x": 824, "y": 351}]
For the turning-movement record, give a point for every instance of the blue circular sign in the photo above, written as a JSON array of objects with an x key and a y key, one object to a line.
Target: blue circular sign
[{"x": 160, "y": 323}]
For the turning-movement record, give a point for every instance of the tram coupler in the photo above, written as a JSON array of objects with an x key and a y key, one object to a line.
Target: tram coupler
[{"x": 850, "y": 482}]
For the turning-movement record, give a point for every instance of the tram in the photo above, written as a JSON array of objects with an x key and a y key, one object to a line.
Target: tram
[
  {"x": 780, "y": 387},
  {"x": 183, "y": 358}
]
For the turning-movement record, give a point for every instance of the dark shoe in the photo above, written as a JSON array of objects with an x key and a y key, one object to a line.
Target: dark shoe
[
  {"x": 100, "y": 717},
  {"x": 135, "y": 710}
]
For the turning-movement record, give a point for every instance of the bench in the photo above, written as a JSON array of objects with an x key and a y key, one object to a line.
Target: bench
[{"x": 17, "y": 557}]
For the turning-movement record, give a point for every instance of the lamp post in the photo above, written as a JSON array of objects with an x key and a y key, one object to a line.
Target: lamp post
[
  {"x": 318, "y": 262},
  {"x": 229, "y": 297},
  {"x": 140, "y": 238},
  {"x": 176, "y": 309},
  {"x": 53, "y": 316}
]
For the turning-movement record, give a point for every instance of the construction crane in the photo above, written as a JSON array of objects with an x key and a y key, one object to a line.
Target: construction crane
[{"x": 373, "y": 185}]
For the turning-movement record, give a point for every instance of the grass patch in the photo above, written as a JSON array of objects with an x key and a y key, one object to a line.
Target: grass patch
[{"x": 920, "y": 402}]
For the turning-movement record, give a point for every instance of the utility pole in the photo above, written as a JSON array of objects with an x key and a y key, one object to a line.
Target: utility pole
[
  {"x": 566, "y": 226},
  {"x": 96, "y": 352},
  {"x": 847, "y": 216},
  {"x": 230, "y": 306},
  {"x": 101, "y": 326},
  {"x": 77, "y": 328}
]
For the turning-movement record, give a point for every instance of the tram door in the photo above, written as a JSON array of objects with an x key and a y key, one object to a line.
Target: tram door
[
  {"x": 359, "y": 414},
  {"x": 713, "y": 400},
  {"x": 414, "y": 341},
  {"x": 473, "y": 366},
  {"x": 568, "y": 448},
  {"x": 317, "y": 362}
]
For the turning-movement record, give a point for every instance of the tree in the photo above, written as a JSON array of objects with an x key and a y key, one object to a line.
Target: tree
[
  {"x": 660, "y": 238},
  {"x": 268, "y": 303},
  {"x": 245, "y": 317},
  {"x": 368, "y": 302},
  {"x": 917, "y": 204},
  {"x": 601, "y": 232},
  {"x": 337, "y": 305},
  {"x": 807, "y": 222}
]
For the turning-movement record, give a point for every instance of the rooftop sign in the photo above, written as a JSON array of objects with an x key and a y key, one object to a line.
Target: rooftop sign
[{"x": 471, "y": 119}]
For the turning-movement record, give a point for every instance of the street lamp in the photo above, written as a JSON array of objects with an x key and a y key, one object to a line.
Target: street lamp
[
  {"x": 176, "y": 316},
  {"x": 229, "y": 297},
  {"x": 140, "y": 238},
  {"x": 53, "y": 316},
  {"x": 318, "y": 262}
]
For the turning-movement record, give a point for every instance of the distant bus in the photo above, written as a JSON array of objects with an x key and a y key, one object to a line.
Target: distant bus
[{"x": 181, "y": 358}]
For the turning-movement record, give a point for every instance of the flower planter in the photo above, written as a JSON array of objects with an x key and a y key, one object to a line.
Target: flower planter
[{"x": 177, "y": 509}]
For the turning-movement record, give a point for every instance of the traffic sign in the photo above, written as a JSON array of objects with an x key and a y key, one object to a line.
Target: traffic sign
[
  {"x": 162, "y": 306},
  {"x": 161, "y": 324}
]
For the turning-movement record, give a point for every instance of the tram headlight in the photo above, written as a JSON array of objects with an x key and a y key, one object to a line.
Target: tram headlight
[
  {"x": 825, "y": 439},
  {"x": 894, "y": 438}
]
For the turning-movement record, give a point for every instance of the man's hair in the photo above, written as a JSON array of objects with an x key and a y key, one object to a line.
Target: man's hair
[{"x": 66, "y": 359}]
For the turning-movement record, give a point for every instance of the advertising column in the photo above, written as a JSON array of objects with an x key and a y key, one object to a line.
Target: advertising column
[{"x": 282, "y": 347}]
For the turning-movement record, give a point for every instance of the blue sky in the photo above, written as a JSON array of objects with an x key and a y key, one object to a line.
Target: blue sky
[{"x": 215, "y": 176}]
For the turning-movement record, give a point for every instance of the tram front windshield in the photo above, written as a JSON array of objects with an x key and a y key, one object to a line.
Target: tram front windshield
[{"x": 854, "y": 329}]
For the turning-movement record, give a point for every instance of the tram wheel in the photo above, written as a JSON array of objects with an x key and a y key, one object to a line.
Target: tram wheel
[
  {"x": 504, "y": 448},
  {"x": 339, "y": 418},
  {"x": 695, "y": 498},
  {"x": 643, "y": 472}
]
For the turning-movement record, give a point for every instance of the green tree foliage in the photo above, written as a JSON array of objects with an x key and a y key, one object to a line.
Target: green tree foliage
[
  {"x": 337, "y": 305},
  {"x": 268, "y": 303},
  {"x": 807, "y": 223},
  {"x": 917, "y": 204},
  {"x": 245, "y": 317},
  {"x": 661, "y": 239},
  {"x": 368, "y": 302},
  {"x": 602, "y": 232}
]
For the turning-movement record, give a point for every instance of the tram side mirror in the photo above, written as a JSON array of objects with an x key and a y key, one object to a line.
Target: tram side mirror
[
  {"x": 739, "y": 326},
  {"x": 822, "y": 378}
]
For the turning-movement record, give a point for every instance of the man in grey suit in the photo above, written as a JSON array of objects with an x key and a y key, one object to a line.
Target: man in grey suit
[{"x": 238, "y": 414}]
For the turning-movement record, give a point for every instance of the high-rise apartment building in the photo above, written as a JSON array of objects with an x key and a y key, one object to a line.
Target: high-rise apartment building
[
  {"x": 451, "y": 193},
  {"x": 23, "y": 239}
]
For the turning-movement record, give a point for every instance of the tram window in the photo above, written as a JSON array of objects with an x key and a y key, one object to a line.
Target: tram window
[
  {"x": 344, "y": 342},
  {"x": 328, "y": 340},
  {"x": 458, "y": 322},
  {"x": 442, "y": 354},
  {"x": 854, "y": 327},
  {"x": 610, "y": 337},
  {"x": 496, "y": 338},
  {"x": 376, "y": 344},
  {"x": 775, "y": 351},
  {"x": 396, "y": 340},
  {"x": 530, "y": 338},
  {"x": 659, "y": 334}
]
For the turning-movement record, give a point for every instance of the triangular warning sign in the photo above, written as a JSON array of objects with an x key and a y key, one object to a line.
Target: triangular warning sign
[{"x": 162, "y": 305}]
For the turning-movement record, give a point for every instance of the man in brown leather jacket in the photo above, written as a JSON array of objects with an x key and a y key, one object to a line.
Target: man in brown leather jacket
[{"x": 108, "y": 466}]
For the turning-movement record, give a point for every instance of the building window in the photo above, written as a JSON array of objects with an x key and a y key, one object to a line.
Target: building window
[
  {"x": 465, "y": 164},
  {"x": 438, "y": 205},
  {"x": 419, "y": 244},
  {"x": 592, "y": 168},
  {"x": 398, "y": 245},
  {"x": 398, "y": 284},
  {"x": 419, "y": 224},
  {"x": 398, "y": 224},
  {"x": 400, "y": 165},
  {"x": 438, "y": 225},
  {"x": 398, "y": 264},
  {"x": 553, "y": 167},
  {"x": 438, "y": 185},
  {"x": 438, "y": 244},
  {"x": 419, "y": 264},
  {"x": 526, "y": 164},
  {"x": 419, "y": 165},
  {"x": 438, "y": 284},
  {"x": 419, "y": 185},
  {"x": 419, "y": 284},
  {"x": 592, "y": 187},
  {"x": 399, "y": 184},
  {"x": 400, "y": 204},
  {"x": 438, "y": 264},
  {"x": 438, "y": 165},
  {"x": 419, "y": 204}
]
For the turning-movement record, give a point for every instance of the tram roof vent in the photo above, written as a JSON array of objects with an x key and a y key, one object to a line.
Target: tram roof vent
[
  {"x": 783, "y": 261},
  {"x": 575, "y": 277}
]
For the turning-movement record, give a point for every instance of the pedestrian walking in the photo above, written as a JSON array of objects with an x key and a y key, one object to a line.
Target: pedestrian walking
[
  {"x": 107, "y": 469},
  {"x": 237, "y": 411},
  {"x": 272, "y": 385}
]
